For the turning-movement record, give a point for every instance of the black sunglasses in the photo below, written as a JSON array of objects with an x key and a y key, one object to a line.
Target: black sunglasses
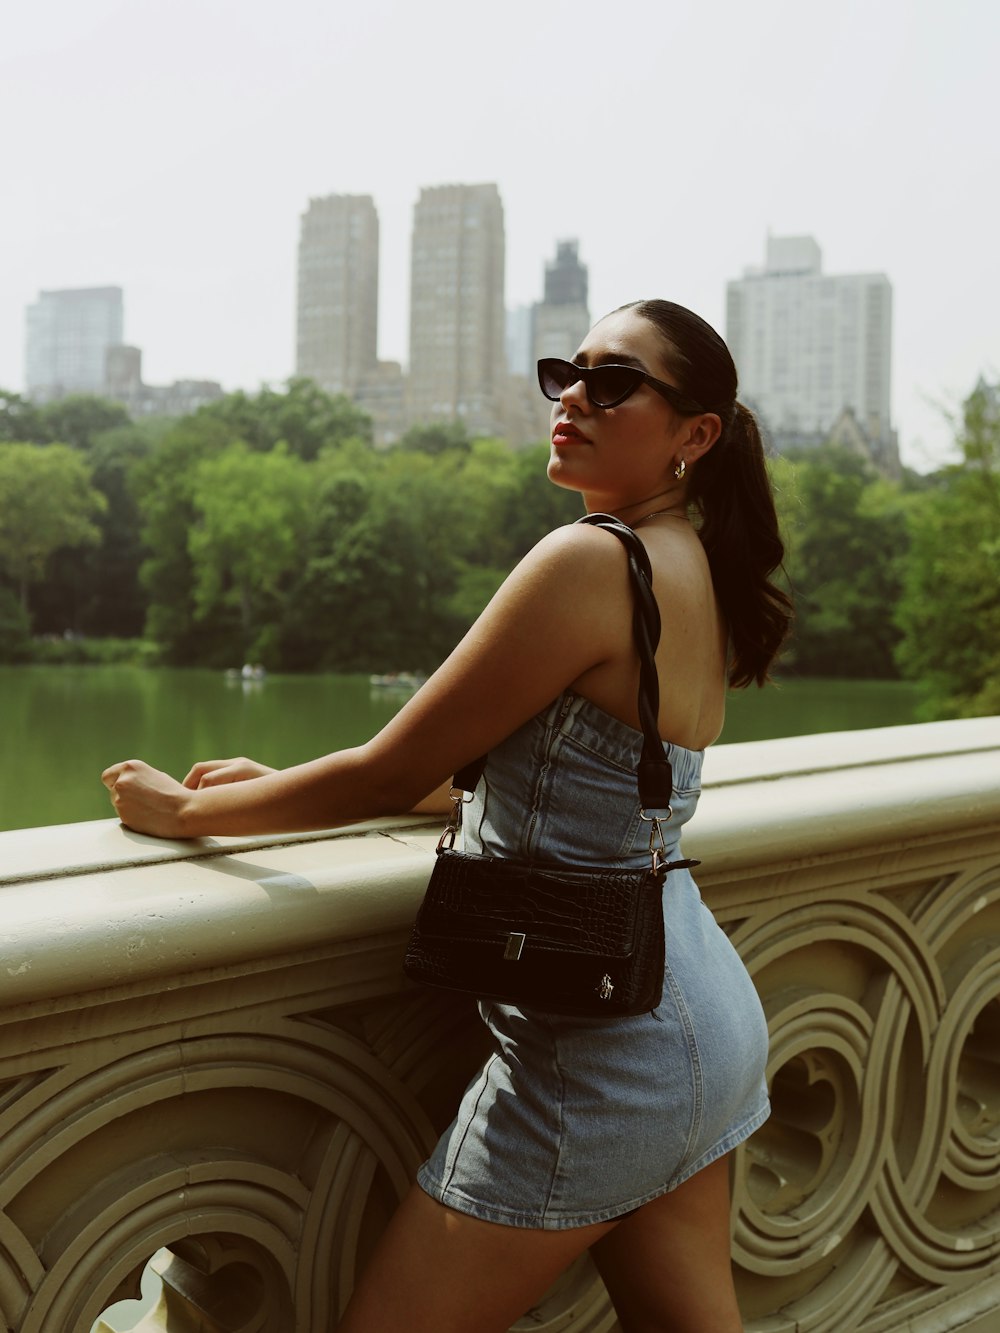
[{"x": 607, "y": 386}]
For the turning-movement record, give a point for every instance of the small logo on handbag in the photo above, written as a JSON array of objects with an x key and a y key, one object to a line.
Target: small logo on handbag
[
  {"x": 605, "y": 988},
  {"x": 515, "y": 945}
]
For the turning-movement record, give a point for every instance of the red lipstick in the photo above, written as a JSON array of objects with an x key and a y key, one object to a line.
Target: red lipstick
[{"x": 564, "y": 432}]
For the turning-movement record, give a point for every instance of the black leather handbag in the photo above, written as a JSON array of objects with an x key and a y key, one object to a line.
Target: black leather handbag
[{"x": 566, "y": 940}]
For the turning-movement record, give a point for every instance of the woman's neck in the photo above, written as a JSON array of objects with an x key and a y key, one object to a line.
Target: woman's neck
[{"x": 667, "y": 504}]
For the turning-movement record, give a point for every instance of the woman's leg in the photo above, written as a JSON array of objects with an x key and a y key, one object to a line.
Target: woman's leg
[
  {"x": 667, "y": 1266},
  {"x": 439, "y": 1271}
]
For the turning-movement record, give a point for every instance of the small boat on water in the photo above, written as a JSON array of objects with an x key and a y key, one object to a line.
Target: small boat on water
[
  {"x": 398, "y": 680},
  {"x": 250, "y": 671}
]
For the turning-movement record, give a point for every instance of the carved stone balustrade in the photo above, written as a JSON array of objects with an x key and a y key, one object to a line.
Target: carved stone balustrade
[{"x": 207, "y": 1054}]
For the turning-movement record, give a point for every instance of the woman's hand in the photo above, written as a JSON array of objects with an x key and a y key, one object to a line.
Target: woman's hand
[
  {"x": 147, "y": 800},
  {"x": 217, "y": 772}
]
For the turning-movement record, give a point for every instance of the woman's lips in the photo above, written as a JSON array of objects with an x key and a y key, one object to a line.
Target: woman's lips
[{"x": 564, "y": 432}]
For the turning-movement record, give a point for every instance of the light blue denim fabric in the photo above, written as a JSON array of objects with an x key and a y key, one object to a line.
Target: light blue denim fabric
[{"x": 573, "y": 1121}]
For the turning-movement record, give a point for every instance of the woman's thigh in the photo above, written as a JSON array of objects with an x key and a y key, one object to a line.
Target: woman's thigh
[
  {"x": 436, "y": 1270},
  {"x": 667, "y": 1266}
]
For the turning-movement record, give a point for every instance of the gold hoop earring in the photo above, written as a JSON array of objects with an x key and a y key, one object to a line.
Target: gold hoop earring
[{"x": 680, "y": 469}]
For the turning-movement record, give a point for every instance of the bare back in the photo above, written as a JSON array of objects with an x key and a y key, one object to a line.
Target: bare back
[{"x": 691, "y": 657}]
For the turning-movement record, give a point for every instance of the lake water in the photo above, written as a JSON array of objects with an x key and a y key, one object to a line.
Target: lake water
[{"x": 61, "y": 726}]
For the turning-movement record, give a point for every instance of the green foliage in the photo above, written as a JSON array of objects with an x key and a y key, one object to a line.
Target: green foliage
[
  {"x": 57, "y": 650},
  {"x": 78, "y": 420},
  {"x": 435, "y": 437},
  {"x": 46, "y": 502},
  {"x": 950, "y": 609},
  {"x": 251, "y": 521},
  {"x": 20, "y": 420},
  {"x": 96, "y": 591},
  {"x": 267, "y": 528},
  {"x": 15, "y": 629},
  {"x": 379, "y": 566},
  {"x": 93, "y": 590},
  {"x": 304, "y": 417},
  {"x": 164, "y": 485},
  {"x": 845, "y": 533}
]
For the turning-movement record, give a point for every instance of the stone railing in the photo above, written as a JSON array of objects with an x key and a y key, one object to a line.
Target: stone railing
[{"x": 214, "y": 1082}]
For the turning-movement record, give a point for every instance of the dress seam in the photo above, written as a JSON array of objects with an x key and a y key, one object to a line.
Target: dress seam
[
  {"x": 446, "y": 1184},
  {"x": 694, "y": 1055},
  {"x": 560, "y": 1141}
]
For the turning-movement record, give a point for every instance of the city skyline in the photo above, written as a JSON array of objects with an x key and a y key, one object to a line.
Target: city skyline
[{"x": 867, "y": 128}]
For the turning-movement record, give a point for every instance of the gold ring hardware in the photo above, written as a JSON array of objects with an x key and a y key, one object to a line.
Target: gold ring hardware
[
  {"x": 657, "y": 844},
  {"x": 458, "y": 798}
]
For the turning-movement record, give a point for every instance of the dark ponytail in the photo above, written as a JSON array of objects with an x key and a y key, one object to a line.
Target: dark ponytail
[{"x": 730, "y": 490}]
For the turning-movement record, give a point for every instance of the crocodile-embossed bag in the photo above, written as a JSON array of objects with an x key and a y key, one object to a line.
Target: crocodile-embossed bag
[{"x": 544, "y": 934}]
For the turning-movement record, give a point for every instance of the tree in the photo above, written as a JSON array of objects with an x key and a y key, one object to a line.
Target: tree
[
  {"x": 435, "y": 437},
  {"x": 163, "y": 484},
  {"x": 80, "y": 418},
  {"x": 305, "y": 417},
  {"x": 46, "y": 502},
  {"x": 20, "y": 420},
  {"x": 15, "y": 629},
  {"x": 97, "y": 590},
  {"x": 307, "y": 421},
  {"x": 949, "y": 613},
  {"x": 252, "y": 512},
  {"x": 380, "y": 564},
  {"x": 845, "y": 535}
]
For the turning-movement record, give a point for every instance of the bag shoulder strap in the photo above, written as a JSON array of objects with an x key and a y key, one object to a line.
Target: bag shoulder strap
[{"x": 654, "y": 776}]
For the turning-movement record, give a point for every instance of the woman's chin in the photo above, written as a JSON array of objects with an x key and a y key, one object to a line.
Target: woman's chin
[{"x": 561, "y": 473}]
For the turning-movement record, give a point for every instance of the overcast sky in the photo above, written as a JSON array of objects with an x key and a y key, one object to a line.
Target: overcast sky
[{"x": 170, "y": 146}]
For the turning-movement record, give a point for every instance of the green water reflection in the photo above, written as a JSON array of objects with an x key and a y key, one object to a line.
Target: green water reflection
[{"x": 62, "y": 725}]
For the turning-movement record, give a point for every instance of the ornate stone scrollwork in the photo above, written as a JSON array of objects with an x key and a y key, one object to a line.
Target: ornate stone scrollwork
[
  {"x": 877, "y": 1177},
  {"x": 243, "y": 1089}
]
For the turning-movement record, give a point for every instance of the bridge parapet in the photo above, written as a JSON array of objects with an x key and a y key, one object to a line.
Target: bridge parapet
[{"x": 208, "y": 1054}]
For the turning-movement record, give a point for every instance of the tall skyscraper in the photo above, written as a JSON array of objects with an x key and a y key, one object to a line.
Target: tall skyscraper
[
  {"x": 337, "y": 315},
  {"x": 68, "y": 336},
  {"x": 457, "y": 360},
  {"x": 562, "y": 319},
  {"x": 810, "y": 347}
]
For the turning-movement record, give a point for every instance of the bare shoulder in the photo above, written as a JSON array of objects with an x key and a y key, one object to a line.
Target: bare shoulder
[
  {"x": 586, "y": 558},
  {"x": 577, "y": 542}
]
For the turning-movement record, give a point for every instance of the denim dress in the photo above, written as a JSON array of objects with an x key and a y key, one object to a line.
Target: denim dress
[{"x": 571, "y": 1120}]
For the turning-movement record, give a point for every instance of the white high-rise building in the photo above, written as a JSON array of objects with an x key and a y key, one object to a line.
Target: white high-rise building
[
  {"x": 810, "y": 347},
  {"x": 69, "y": 333},
  {"x": 458, "y": 364},
  {"x": 337, "y": 314}
]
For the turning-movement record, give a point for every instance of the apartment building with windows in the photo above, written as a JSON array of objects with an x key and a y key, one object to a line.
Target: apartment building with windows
[
  {"x": 337, "y": 306},
  {"x": 69, "y": 332},
  {"x": 457, "y": 367},
  {"x": 810, "y": 347}
]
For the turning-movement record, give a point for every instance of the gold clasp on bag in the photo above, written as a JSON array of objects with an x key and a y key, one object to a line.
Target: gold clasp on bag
[
  {"x": 605, "y": 988},
  {"x": 515, "y": 945},
  {"x": 657, "y": 845},
  {"x": 458, "y": 798}
]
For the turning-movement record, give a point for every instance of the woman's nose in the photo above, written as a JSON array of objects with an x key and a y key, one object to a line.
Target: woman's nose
[{"x": 575, "y": 395}]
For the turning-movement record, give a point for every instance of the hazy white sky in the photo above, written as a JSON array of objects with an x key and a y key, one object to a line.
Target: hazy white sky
[{"x": 170, "y": 146}]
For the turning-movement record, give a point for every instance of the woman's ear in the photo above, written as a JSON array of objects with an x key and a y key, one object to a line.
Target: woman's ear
[{"x": 703, "y": 431}]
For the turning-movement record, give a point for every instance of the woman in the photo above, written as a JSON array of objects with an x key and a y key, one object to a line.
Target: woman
[{"x": 608, "y": 1135}]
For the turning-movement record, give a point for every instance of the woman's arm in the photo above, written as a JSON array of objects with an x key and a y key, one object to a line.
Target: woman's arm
[{"x": 563, "y": 610}]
